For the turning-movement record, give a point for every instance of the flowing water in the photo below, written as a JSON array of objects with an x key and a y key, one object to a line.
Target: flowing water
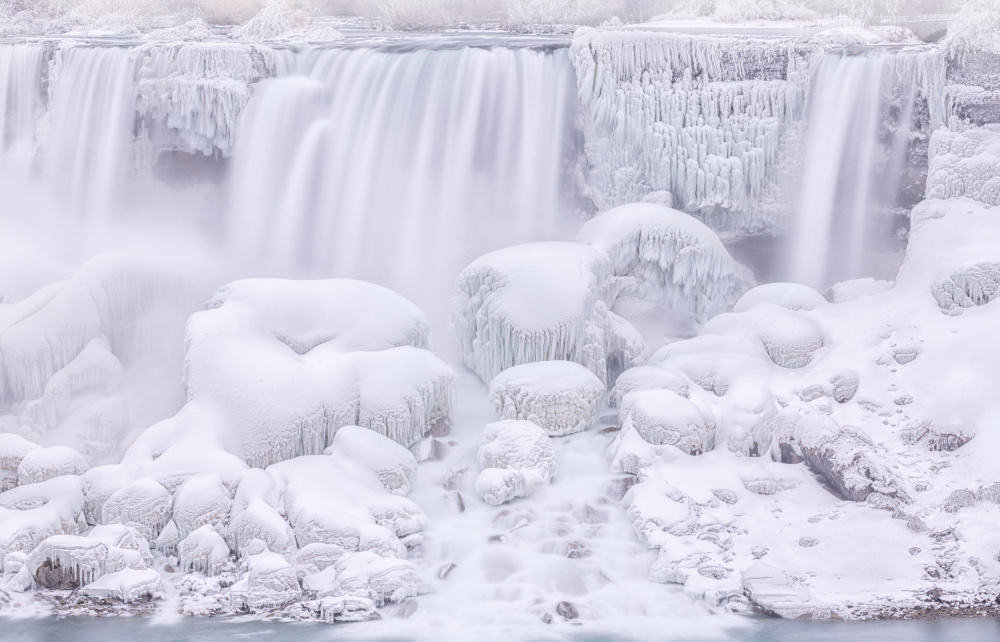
[{"x": 860, "y": 113}]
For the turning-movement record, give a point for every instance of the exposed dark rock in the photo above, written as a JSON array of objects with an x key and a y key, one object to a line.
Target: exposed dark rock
[
  {"x": 52, "y": 576},
  {"x": 567, "y": 610}
]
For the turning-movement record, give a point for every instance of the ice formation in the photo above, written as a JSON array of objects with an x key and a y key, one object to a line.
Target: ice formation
[
  {"x": 517, "y": 458},
  {"x": 702, "y": 118},
  {"x": 965, "y": 163},
  {"x": 561, "y": 397}
]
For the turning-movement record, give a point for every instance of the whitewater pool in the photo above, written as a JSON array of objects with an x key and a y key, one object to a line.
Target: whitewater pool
[{"x": 764, "y": 630}]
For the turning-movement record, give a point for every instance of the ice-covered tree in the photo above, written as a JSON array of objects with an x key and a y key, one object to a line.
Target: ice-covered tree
[
  {"x": 739, "y": 10},
  {"x": 976, "y": 27}
]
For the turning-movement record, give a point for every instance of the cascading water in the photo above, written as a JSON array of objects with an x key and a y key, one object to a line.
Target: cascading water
[
  {"x": 88, "y": 150},
  {"x": 20, "y": 102},
  {"x": 851, "y": 167},
  {"x": 401, "y": 167}
]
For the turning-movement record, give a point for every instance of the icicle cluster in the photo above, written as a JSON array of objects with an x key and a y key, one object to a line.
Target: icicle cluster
[{"x": 702, "y": 118}]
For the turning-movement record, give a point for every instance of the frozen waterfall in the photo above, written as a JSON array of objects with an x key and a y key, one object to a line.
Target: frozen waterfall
[{"x": 401, "y": 167}]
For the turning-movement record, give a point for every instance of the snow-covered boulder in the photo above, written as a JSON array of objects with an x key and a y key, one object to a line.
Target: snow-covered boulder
[
  {"x": 31, "y": 514},
  {"x": 662, "y": 254},
  {"x": 535, "y": 302},
  {"x": 13, "y": 448},
  {"x": 201, "y": 500},
  {"x": 383, "y": 580},
  {"x": 560, "y": 396},
  {"x": 45, "y": 463},
  {"x": 127, "y": 585},
  {"x": 662, "y": 417},
  {"x": 67, "y": 561},
  {"x": 517, "y": 458},
  {"x": 965, "y": 163},
  {"x": 142, "y": 502},
  {"x": 394, "y": 465},
  {"x": 269, "y": 583},
  {"x": 204, "y": 551}
]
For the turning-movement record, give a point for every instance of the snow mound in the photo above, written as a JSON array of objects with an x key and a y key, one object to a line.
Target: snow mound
[
  {"x": 13, "y": 449},
  {"x": 30, "y": 514},
  {"x": 193, "y": 30},
  {"x": 337, "y": 353},
  {"x": 268, "y": 583},
  {"x": 203, "y": 551},
  {"x": 517, "y": 458},
  {"x": 143, "y": 502},
  {"x": 200, "y": 501},
  {"x": 43, "y": 464},
  {"x": 663, "y": 417},
  {"x": 562, "y": 397},
  {"x": 533, "y": 302},
  {"x": 791, "y": 296},
  {"x": 661, "y": 253}
]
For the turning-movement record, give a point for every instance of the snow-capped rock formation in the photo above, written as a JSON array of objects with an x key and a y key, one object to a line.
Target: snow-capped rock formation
[
  {"x": 561, "y": 397},
  {"x": 663, "y": 255},
  {"x": 517, "y": 458},
  {"x": 808, "y": 459}
]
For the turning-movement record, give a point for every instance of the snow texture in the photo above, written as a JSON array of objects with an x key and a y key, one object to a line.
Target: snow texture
[{"x": 561, "y": 397}]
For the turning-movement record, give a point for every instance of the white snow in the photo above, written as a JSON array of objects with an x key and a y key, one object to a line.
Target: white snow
[
  {"x": 965, "y": 163},
  {"x": 43, "y": 464}
]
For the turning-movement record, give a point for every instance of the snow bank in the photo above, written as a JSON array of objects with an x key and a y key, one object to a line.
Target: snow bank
[
  {"x": 42, "y": 464},
  {"x": 561, "y": 397},
  {"x": 835, "y": 442}
]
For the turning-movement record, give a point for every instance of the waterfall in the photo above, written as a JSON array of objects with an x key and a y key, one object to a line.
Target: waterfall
[
  {"x": 87, "y": 157},
  {"x": 20, "y": 104},
  {"x": 860, "y": 111},
  {"x": 401, "y": 167}
]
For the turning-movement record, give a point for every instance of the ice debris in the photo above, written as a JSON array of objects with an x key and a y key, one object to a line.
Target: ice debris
[{"x": 517, "y": 458}]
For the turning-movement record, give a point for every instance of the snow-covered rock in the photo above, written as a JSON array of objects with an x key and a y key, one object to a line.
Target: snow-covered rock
[
  {"x": 200, "y": 501},
  {"x": 127, "y": 585},
  {"x": 13, "y": 449},
  {"x": 45, "y": 463},
  {"x": 204, "y": 551},
  {"x": 658, "y": 253},
  {"x": 269, "y": 583},
  {"x": 67, "y": 561},
  {"x": 517, "y": 458},
  {"x": 965, "y": 163},
  {"x": 560, "y": 396},
  {"x": 143, "y": 502}
]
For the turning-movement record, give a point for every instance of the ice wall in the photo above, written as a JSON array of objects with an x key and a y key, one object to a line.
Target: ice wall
[{"x": 703, "y": 118}]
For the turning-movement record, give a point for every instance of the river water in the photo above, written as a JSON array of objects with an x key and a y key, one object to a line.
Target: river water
[{"x": 756, "y": 630}]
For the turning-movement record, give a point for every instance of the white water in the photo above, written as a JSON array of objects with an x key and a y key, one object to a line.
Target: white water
[
  {"x": 400, "y": 168},
  {"x": 88, "y": 151},
  {"x": 850, "y": 175}
]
